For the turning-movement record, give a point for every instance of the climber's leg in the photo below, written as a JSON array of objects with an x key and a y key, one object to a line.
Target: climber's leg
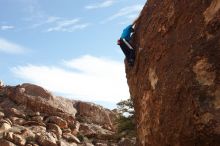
[
  {"x": 128, "y": 44},
  {"x": 131, "y": 57},
  {"x": 131, "y": 52},
  {"x": 125, "y": 49}
]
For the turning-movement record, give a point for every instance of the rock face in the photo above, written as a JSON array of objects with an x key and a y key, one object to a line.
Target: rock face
[
  {"x": 39, "y": 99},
  {"x": 31, "y": 116},
  {"x": 175, "y": 82},
  {"x": 92, "y": 113}
]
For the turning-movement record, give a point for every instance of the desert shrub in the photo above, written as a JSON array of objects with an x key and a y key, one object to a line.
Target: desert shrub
[{"x": 126, "y": 121}]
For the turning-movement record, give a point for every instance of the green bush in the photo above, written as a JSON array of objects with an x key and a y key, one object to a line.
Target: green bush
[{"x": 126, "y": 122}]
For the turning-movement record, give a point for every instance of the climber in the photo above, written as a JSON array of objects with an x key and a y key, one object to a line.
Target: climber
[{"x": 124, "y": 43}]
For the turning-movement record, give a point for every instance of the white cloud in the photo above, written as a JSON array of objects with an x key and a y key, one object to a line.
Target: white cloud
[
  {"x": 46, "y": 20},
  {"x": 53, "y": 23},
  {"x": 10, "y": 47},
  {"x": 104, "y": 4},
  {"x": 40, "y": 19},
  {"x": 127, "y": 12},
  {"x": 6, "y": 27},
  {"x": 87, "y": 78},
  {"x": 52, "y": 19},
  {"x": 68, "y": 25}
]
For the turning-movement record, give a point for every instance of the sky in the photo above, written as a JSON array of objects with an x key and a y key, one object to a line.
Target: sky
[{"x": 68, "y": 47}]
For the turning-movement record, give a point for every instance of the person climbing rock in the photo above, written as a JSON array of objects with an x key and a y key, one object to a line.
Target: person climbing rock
[{"x": 126, "y": 47}]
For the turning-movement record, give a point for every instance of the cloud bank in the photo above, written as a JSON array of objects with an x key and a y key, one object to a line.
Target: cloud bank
[
  {"x": 86, "y": 78},
  {"x": 7, "y": 46}
]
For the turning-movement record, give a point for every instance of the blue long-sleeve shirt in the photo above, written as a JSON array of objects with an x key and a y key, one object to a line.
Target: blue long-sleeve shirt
[{"x": 126, "y": 34}]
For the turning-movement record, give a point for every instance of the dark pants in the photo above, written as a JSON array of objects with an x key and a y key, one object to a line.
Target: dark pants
[{"x": 127, "y": 50}]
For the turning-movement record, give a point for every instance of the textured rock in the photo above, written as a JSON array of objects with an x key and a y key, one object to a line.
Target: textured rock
[
  {"x": 2, "y": 114},
  {"x": 55, "y": 129},
  {"x": 32, "y": 116},
  {"x": 16, "y": 113},
  {"x": 8, "y": 136},
  {"x": 4, "y": 142},
  {"x": 47, "y": 139},
  {"x": 34, "y": 123},
  {"x": 64, "y": 143},
  {"x": 101, "y": 144},
  {"x": 92, "y": 113},
  {"x": 175, "y": 82},
  {"x": 87, "y": 144},
  {"x": 15, "y": 138},
  {"x": 4, "y": 127},
  {"x": 58, "y": 121},
  {"x": 40, "y": 100},
  {"x": 28, "y": 135},
  {"x": 37, "y": 129},
  {"x": 16, "y": 129},
  {"x": 66, "y": 130},
  {"x": 126, "y": 142},
  {"x": 70, "y": 138},
  {"x": 18, "y": 121},
  {"x": 6, "y": 120},
  {"x": 37, "y": 118},
  {"x": 95, "y": 131}
]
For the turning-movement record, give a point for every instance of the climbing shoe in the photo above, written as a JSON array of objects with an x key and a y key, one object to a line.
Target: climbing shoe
[{"x": 131, "y": 62}]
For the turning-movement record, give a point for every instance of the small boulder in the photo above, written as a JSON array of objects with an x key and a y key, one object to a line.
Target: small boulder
[
  {"x": 2, "y": 114},
  {"x": 6, "y": 120},
  {"x": 18, "y": 121},
  {"x": 15, "y": 138},
  {"x": 46, "y": 139},
  {"x": 8, "y": 136},
  {"x": 4, "y": 142},
  {"x": 57, "y": 120},
  {"x": 4, "y": 127},
  {"x": 16, "y": 113},
  {"x": 33, "y": 114},
  {"x": 19, "y": 140},
  {"x": 70, "y": 138},
  {"x": 67, "y": 130},
  {"x": 55, "y": 129},
  {"x": 37, "y": 118},
  {"x": 127, "y": 142},
  {"x": 38, "y": 129},
  {"x": 101, "y": 144},
  {"x": 88, "y": 144},
  {"x": 35, "y": 123},
  {"x": 64, "y": 143},
  {"x": 28, "y": 135},
  {"x": 75, "y": 127}
]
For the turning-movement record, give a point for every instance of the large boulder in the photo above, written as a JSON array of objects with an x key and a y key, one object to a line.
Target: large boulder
[
  {"x": 95, "y": 131},
  {"x": 175, "y": 81},
  {"x": 39, "y": 99},
  {"x": 96, "y": 114}
]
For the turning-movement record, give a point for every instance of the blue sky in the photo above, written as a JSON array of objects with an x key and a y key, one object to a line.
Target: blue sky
[{"x": 68, "y": 47}]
